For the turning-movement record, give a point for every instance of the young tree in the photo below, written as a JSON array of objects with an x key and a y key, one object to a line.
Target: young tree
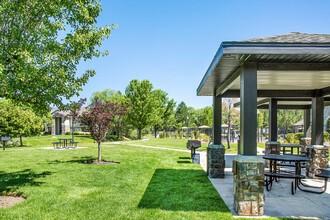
[
  {"x": 119, "y": 123},
  {"x": 16, "y": 121},
  {"x": 144, "y": 107},
  {"x": 42, "y": 42},
  {"x": 74, "y": 111},
  {"x": 98, "y": 118},
  {"x": 230, "y": 114}
]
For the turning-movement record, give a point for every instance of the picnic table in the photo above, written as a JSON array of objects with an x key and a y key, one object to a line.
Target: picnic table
[
  {"x": 275, "y": 173},
  {"x": 65, "y": 143},
  {"x": 292, "y": 147}
]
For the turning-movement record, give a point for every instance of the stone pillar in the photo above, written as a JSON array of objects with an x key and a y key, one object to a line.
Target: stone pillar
[
  {"x": 216, "y": 161},
  {"x": 249, "y": 197},
  {"x": 319, "y": 155},
  {"x": 305, "y": 142},
  {"x": 272, "y": 147}
]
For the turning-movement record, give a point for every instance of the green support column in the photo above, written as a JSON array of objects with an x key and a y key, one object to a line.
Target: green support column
[
  {"x": 307, "y": 122},
  {"x": 317, "y": 120},
  {"x": 273, "y": 120},
  {"x": 217, "y": 112},
  {"x": 248, "y": 94}
]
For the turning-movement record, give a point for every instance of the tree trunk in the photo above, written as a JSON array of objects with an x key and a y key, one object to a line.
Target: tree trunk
[
  {"x": 21, "y": 140},
  {"x": 72, "y": 131},
  {"x": 99, "y": 155},
  {"x": 155, "y": 131},
  {"x": 139, "y": 133},
  {"x": 118, "y": 134},
  {"x": 228, "y": 135}
]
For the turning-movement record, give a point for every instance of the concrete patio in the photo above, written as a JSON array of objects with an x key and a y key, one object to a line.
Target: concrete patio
[{"x": 279, "y": 201}]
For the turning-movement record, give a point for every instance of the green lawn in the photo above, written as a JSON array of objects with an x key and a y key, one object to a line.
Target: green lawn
[
  {"x": 147, "y": 184},
  {"x": 181, "y": 144}
]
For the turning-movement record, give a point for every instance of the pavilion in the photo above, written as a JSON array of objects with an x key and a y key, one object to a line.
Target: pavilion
[{"x": 282, "y": 71}]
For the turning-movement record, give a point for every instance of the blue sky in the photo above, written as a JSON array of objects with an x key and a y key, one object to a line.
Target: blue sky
[{"x": 172, "y": 42}]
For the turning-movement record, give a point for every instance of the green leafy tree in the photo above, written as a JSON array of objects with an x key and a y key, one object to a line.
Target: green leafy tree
[
  {"x": 182, "y": 114},
  {"x": 16, "y": 121},
  {"x": 286, "y": 118},
  {"x": 42, "y": 42},
  {"x": 47, "y": 120},
  {"x": 165, "y": 110},
  {"x": 205, "y": 116},
  {"x": 144, "y": 107}
]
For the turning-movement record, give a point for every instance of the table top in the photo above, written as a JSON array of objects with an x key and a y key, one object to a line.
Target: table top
[
  {"x": 285, "y": 157},
  {"x": 291, "y": 145},
  {"x": 65, "y": 138}
]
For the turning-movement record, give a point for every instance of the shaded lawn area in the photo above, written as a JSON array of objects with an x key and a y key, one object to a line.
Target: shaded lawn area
[
  {"x": 147, "y": 184},
  {"x": 181, "y": 144}
]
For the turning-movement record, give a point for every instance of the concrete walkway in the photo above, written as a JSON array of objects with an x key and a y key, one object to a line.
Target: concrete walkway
[{"x": 279, "y": 201}]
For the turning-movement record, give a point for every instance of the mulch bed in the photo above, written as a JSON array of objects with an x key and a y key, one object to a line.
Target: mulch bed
[
  {"x": 102, "y": 162},
  {"x": 8, "y": 201}
]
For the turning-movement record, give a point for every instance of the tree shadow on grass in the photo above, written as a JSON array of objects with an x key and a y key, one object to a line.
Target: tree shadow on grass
[
  {"x": 183, "y": 161},
  {"x": 182, "y": 158},
  {"x": 11, "y": 181},
  {"x": 85, "y": 159},
  {"x": 181, "y": 190}
]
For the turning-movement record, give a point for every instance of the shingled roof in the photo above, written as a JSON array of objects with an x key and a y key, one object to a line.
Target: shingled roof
[{"x": 293, "y": 37}]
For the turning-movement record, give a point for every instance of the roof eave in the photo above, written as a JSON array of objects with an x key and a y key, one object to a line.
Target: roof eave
[{"x": 234, "y": 47}]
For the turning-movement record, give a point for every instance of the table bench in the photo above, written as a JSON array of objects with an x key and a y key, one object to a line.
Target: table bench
[
  {"x": 324, "y": 174},
  {"x": 274, "y": 176}
]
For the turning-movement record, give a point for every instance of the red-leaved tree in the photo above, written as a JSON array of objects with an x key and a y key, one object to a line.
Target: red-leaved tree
[{"x": 99, "y": 117}]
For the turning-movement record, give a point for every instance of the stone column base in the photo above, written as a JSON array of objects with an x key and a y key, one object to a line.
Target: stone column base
[
  {"x": 305, "y": 142},
  {"x": 319, "y": 155},
  {"x": 249, "y": 197},
  {"x": 272, "y": 147},
  {"x": 216, "y": 161}
]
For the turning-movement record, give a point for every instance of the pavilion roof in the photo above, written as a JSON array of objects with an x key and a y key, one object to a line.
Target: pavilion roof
[
  {"x": 293, "y": 37},
  {"x": 293, "y": 61}
]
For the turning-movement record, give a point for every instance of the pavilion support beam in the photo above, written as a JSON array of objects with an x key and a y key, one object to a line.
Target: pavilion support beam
[
  {"x": 317, "y": 120},
  {"x": 307, "y": 122},
  {"x": 273, "y": 120},
  {"x": 248, "y": 113},
  {"x": 216, "y": 151},
  {"x": 248, "y": 168},
  {"x": 217, "y": 114}
]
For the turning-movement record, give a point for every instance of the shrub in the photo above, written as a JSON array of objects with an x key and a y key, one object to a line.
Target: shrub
[
  {"x": 325, "y": 136},
  {"x": 14, "y": 142},
  {"x": 192, "y": 135},
  {"x": 180, "y": 135},
  {"x": 161, "y": 135},
  {"x": 186, "y": 135},
  {"x": 110, "y": 137},
  {"x": 197, "y": 135},
  {"x": 47, "y": 133},
  {"x": 205, "y": 137},
  {"x": 76, "y": 133},
  {"x": 68, "y": 133},
  {"x": 290, "y": 138},
  {"x": 298, "y": 136}
]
